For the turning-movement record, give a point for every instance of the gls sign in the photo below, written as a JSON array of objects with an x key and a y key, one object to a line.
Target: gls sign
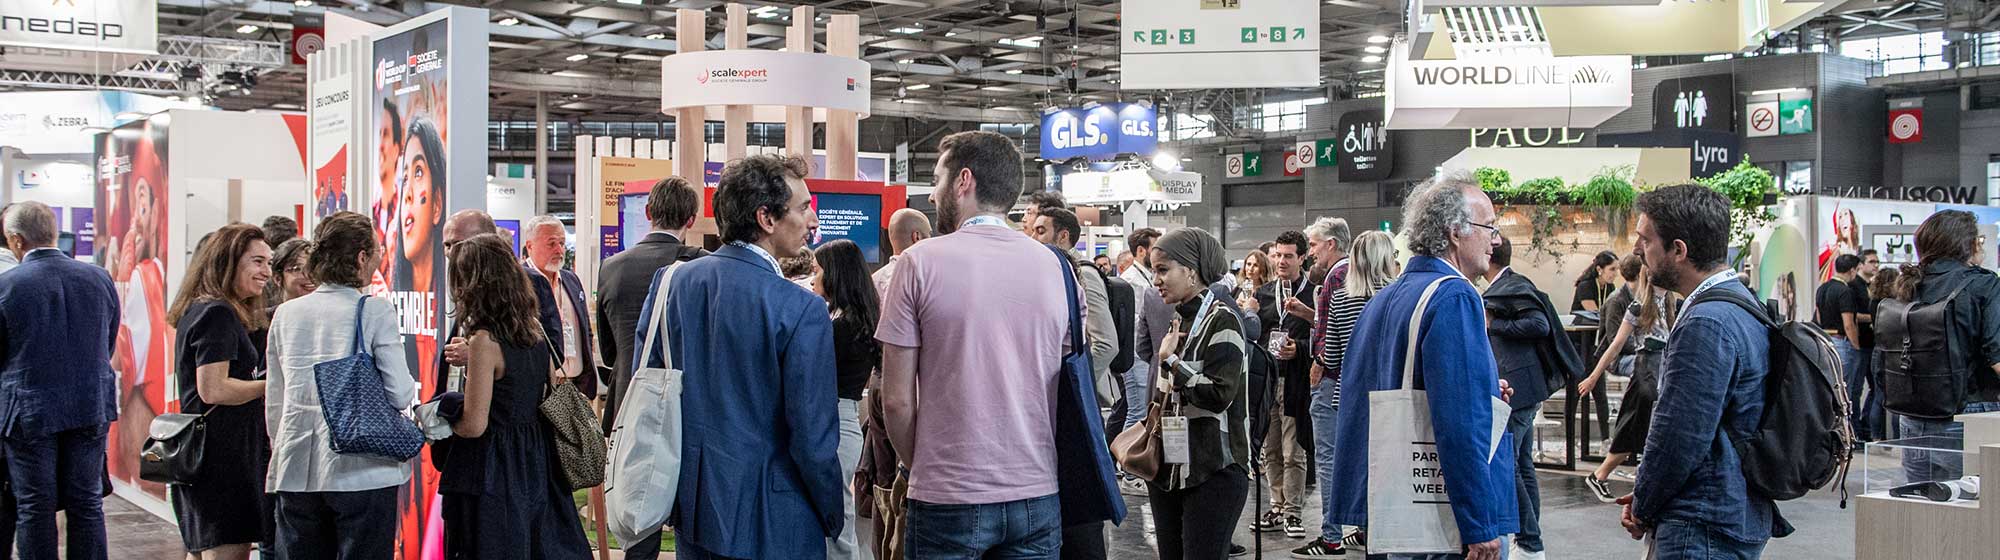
[
  {"x": 1099, "y": 132},
  {"x": 126, "y": 26}
]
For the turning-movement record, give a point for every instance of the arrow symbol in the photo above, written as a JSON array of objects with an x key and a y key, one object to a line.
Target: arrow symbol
[
  {"x": 1298, "y": 33},
  {"x": 1139, "y": 36}
]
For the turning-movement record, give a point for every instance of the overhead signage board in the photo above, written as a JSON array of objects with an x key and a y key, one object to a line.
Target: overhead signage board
[
  {"x": 1365, "y": 151},
  {"x": 1695, "y": 102},
  {"x": 1190, "y": 44},
  {"x": 119, "y": 26},
  {"x": 1506, "y": 92},
  {"x": 1131, "y": 185},
  {"x": 1709, "y": 151},
  {"x": 1100, "y": 131},
  {"x": 769, "y": 81}
]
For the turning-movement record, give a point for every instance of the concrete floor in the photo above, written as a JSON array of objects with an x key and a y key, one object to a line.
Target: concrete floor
[{"x": 1574, "y": 524}]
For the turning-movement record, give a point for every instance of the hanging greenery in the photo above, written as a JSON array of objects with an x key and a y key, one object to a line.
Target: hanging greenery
[
  {"x": 1752, "y": 192},
  {"x": 1610, "y": 188}
]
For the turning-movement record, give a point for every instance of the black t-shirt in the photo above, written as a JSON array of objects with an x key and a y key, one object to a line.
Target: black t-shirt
[
  {"x": 1834, "y": 298},
  {"x": 855, "y": 356},
  {"x": 1863, "y": 305},
  {"x": 1589, "y": 290},
  {"x": 210, "y": 332}
]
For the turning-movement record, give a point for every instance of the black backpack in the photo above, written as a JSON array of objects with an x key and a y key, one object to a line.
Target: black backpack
[
  {"x": 1803, "y": 441},
  {"x": 1924, "y": 366},
  {"x": 1123, "y": 315}
]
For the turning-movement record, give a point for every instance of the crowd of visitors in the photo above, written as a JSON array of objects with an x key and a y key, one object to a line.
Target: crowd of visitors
[{"x": 918, "y": 410}]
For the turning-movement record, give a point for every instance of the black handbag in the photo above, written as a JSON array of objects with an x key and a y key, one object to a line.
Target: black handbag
[{"x": 173, "y": 450}]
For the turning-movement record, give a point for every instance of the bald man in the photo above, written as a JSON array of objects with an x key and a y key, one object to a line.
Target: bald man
[
  {"x": 464, "y": 224},
  {"x": 906, "y": 228}
]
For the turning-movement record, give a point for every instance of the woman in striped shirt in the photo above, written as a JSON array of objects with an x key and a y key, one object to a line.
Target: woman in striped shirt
[{"x": 1203, "y": 375}]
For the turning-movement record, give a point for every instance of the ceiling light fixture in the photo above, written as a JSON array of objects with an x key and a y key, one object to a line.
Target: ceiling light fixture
[
  {"x": 920, "y": 86},
  {"x": 1378, "y": 39},
  {"x": 1372, "y": 49},
  {"x": 1514, "y": 28},
  {"x": 1014, "y": 72},
  {"x": 656, "y": 36},
  {"x": 1370, "y": 59},
  {"x": 302, "y": 3},
  {"x": 1778, "y": 91},
  {"x": 907, "y": 29},
  {"x": 578, "y": 57},
  {"x": 129, "y": 116},
  {"x": 906, "y": 61},
  {"x": 247, "y": 29},
  {"x": 509, "y": 22}
]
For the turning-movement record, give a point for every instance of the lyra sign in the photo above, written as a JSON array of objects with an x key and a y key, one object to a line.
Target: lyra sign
[
  {"x": 1506, "y": 92},
  {"x": 123, "y": 26},
  {"x": 1100, "y": 131}
]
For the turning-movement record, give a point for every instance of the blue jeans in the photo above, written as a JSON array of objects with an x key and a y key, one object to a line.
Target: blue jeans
[
  {"x": 1855, "y": 376},
  {"x": 1025, "y": 529},
  {"x": 1325, "y": 425},
  {"x": 1684, "y": 541},
  {"x": 1138, "y": 392},
  {"x": 1527, "y": 488},
  {"x": 59, "y": 471},
  {"x": 1872, "y": 428},
  {"x": 1922, "y": 466}
]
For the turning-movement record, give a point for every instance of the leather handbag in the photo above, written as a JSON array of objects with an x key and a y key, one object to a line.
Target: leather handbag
[
  {"x": 578, "y": 439},
  {"x": 360, "y": 419},
  {"x": 1137, "y": 449},
  {"x": 173, "y": 450}
]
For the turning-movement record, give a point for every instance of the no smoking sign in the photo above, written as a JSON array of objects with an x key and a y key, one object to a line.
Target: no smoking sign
[{"x": 1763, "y": 119}]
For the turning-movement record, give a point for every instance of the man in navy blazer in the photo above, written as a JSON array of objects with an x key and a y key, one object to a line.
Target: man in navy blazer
[
  {"x": 542, "y": 242},
  {"x": 760, "y": 473},
  {"x": 58, "y": 320}
]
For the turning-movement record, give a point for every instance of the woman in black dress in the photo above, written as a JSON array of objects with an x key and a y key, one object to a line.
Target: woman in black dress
[
  {"x": 852, "y": 300},
  {"x": 219, "y": 320},
  {"x": 501, "y": 498}
]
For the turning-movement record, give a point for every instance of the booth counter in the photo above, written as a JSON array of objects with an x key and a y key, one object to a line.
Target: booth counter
[{"x": 1892, "y": 528}]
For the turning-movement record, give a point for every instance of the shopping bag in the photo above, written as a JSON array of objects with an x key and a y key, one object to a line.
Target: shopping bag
[
  {"x": 1409, "y": 511},
  {"x": 644, "y": 472}
]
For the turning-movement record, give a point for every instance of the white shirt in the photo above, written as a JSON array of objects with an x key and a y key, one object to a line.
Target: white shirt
[
  {"x": 882, "y": 277},
  {"x": 318, "y": 328}
]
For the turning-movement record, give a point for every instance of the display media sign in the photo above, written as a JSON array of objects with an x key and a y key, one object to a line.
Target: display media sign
[
  {"x": 1506, "y": 92},
  {"x": 1365, "y": 152},
  {"x": 1696, "y": 102},
  {"x": 121, "y": 26},
  {"x": 1131, "y": 185},
  {"x": 1100, "y": 131},
  {"x": 1187, "y": 44}
]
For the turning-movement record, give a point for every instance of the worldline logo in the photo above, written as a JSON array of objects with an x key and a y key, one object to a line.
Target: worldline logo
[
  {"x": 1542, "y": 74},
  {"x": 734, "y": 75}
]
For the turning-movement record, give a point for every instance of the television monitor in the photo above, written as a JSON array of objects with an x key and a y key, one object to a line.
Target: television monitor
[
  {"x": 854, "y": 217},
  {"x": 632, "y": 222}
]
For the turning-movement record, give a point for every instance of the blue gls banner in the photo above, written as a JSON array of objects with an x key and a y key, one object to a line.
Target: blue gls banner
[{"x": 1100, "y": 132}]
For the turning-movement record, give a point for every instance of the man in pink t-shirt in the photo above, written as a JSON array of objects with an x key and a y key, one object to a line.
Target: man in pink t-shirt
[{"x": 973, "y": 330}]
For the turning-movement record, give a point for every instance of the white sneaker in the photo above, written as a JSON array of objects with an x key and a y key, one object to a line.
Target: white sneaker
[
  {"x": 1132, "y": 486},
  {"x": 1518, "y": 554}
]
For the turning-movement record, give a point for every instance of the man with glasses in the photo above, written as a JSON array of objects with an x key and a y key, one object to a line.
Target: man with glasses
[{"x": 1449, "y": 223}]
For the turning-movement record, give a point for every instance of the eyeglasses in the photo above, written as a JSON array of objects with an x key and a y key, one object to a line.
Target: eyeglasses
[{"x": 1488, "y": 227}]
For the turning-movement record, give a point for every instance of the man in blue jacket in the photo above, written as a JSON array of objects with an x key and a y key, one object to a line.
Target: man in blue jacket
[
  {"x": 1449, "y": 223},
  {"x": 1691, "y": 497},
  {"x": 760, "y": 471},
  {"x": 58, "y": 321}
]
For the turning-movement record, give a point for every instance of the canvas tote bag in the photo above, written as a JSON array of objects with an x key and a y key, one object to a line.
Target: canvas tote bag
[
  {"x": 644, "y": 472},
  {"x": 1408, "y": 509}
]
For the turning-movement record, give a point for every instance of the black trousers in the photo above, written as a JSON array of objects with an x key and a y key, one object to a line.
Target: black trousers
[
  {"x": 337, "y": 525},
  {"x": 1197, "y": 523},
  {"x": 1083, "y": 542}
]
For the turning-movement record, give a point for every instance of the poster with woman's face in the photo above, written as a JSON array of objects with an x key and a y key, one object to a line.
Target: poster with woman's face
[
  {"x": 408, "y": 107},
  {"x": 132, "y": 198}
]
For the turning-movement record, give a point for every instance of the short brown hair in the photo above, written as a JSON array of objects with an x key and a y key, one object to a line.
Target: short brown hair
[
  {"x": 339, "y": 238},
  {"x": 1142, "y": 239},
  {"x": 672, "y": 203},
  {"x": 995, "y": 163},
  {"x": 211, "y": 275},
  {"x": 490, "y": 291},
  {"x": 1948, "y": 235}
]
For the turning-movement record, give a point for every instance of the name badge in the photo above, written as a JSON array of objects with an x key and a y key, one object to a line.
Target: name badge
[
  {"x": 570, "y": 342},
  {"x": 1174, "y": 439},
  {"x": 454, "y": 381}
]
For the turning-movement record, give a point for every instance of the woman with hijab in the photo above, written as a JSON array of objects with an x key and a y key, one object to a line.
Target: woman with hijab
[{"x": 1196, "y": 504}]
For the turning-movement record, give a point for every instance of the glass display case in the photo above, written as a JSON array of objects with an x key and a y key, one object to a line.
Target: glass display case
[{"x": 1931, "y": 469}]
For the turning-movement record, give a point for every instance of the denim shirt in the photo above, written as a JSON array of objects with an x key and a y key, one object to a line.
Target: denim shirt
[{"x": 1711, "y": 395}]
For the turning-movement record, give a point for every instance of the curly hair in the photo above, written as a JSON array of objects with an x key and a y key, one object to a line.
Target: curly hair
[
  {"x": 1436, "y": 212},
  {"x": 751, "y": 184},
  {"x": 491, "y": 291}
]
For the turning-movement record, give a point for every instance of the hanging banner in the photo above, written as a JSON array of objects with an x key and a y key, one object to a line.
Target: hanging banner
[
  {"x": 1695, "y": 102},
  {"x": 769, "y": 81},
  {"x": 1189, "y": 44},
  {"x": 1365, "y": 153},
  {"x": 1906, "y": 121},
  {"x": 1506, "y": 92},
  {"x": 120, "y": 26},
  {"x": 335, "y": 80},
  {"x": 131, "y": 205},
  {"x": 1100, "y": 131}
]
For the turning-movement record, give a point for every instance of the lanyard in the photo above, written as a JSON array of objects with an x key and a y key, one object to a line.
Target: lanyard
[
  {"x": 982, "y": 221},
  {"x": 1712, "y": 281},
  {"x": 760, "y": 252}
]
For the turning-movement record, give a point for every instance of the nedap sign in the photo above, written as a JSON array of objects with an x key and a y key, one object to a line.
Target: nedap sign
[
  {"x": 89, "y": 25},
  {"x": 1100, "y": 132}
]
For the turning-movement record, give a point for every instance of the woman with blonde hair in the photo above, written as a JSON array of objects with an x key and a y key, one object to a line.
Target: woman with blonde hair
[
  {"x": 1372, "y": 266},
  {"x": 1256, "y": 273}
]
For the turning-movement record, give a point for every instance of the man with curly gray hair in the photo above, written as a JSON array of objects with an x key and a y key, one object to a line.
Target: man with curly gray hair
[{"x": 1450, "y": 224}]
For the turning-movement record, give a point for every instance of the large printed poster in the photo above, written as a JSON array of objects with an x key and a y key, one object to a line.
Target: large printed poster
[
  {"x": 410, "y": 105},
  {"x": 131, "y": 208}
]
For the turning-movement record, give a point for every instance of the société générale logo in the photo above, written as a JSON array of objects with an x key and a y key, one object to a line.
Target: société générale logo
[{"x": 71, "y": 26}]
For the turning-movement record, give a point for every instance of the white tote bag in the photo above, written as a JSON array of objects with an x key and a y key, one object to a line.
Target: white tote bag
[
  {"x": 644, "y": 469},
  {"x": 1409, "y": 511}
]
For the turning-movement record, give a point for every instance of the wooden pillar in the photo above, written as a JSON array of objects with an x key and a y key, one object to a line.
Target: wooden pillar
[
  {"x": 736, "y": 118},
  {"x": 799, "y": 120},
  {"x": 843, "y": 128},
  {"x": 691, "y": 32}
]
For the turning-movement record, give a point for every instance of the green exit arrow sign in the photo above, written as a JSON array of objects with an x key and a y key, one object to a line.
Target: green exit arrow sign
[
  {"x": 1298, "y": 33},
  {"x": 1139, "y": 37}
]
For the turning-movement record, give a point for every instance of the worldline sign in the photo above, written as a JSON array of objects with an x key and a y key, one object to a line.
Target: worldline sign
[
  {"x": 122, "y": 26},
  {"x": 1505, "y": 92},
  {"x": 1944, "y": 194},
  {"x": 1100, "y": 132}
]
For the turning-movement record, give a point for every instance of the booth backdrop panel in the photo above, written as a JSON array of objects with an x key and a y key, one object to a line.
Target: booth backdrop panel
[
  {"x": 235, "y": 167},
  {"x": 133, "y": 203},
  {"x": 58, "y": 181},
  {"x": 52, "y": 122}
]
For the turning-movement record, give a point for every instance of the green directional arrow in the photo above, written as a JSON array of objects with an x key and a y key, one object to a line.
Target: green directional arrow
[
  {"x": 1139, "y": 36},
  {"x": 1298, "y": 33}
]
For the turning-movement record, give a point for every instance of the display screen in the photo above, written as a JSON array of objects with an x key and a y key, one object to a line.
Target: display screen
[
  {"x": 632, "y": 217},
  {"x": 854, "y": 217}
]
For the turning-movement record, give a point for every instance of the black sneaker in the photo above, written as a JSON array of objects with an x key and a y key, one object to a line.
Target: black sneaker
[
  {"x": 1270, "y": 522},
  {"x": 1599, "y": 487},
  {"x": 1236, "y": 550},
  {"x": 1294, "y": 528},
  {"x": 1356, "y": 539},
  {"x": 1319, "y": 548}
]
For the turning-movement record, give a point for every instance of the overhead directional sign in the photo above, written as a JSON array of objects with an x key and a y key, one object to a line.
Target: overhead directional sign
[{"x": 1188, "y": 44}]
